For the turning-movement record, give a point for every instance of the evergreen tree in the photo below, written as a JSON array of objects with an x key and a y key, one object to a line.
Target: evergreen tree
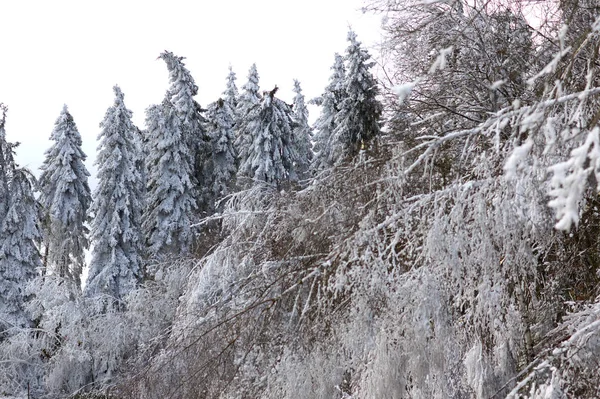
[
  {"x": 220, "y": 128},
  {"x": 6, "y": 164},
  {"x": 171, "y": 195},
  {"x": 116, "y": 267},
  {"x": 250, "y": 95},
  {"x": 271, "y": 155},
  {"x": 330, "y": 102},
  {"x": 188, "y": 119},
  {"x": 358, "y": 118},
  {"x": 19, "y": 255},
  {"x": 140, "y": 161},
  {"x": 249, "y": 99},
  {"x": 231, "y": 94},
  {"x": 302, "y": 134},
  {"x": 66, "y": 197},
  {"x": 19, "y": 235}
]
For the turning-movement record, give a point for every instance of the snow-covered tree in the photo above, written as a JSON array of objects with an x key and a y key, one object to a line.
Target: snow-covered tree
[
  {"x": 171, "y": 193},
  {"x": 271, "y": 154},
  {"x": 251, "y": 93},
  {"x": 19, "y": 254},
  {"x": 178, "y": 156},
  {"x": 65, "y": 196},
  {"x": 231, "y": 94},
  {"x": 140, "y": 161},
  {"x": 187, "y": 117},
  {"x": 330, "y": 102},
  {"x": 220, "y": 127},
  {"x": 302, "y": 134},
  {"x": 6, "y": 163},
  {"x": 358, "y": 120},
  {"x": 116, "y": 267},
  {"x": 249, "y": 99}
]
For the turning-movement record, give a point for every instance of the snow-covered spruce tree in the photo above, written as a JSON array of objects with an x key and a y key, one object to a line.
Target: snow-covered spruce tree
[
  {"x": 187, "y": 117},
  {"x": 330, "y": 102},
  {"x": 140, "y": 162},
  {"x": 220, "y": 128},
  {"x": 250, "y": 95},
  {"x": 302, "y": 134},
  {"x": 65, "y": 196},
  {"x": 116, "y": 267},
  {"x": 171, "y": 192},
  {"x": 6, "y": 163},
  {"x": 231, "y": 94},
  {"x": 19, "y": 254},
  {"x": 358, "y": 120},
  {"x": 271, "y": 152},
  {"x": 249, "y": 99}
]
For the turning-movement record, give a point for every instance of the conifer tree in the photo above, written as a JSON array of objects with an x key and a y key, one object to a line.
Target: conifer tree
[
  {"x": 302, "y": 134},
  {"x": 19, "y": 255},
  {"x": 231, "y": 94},
  {"x": 250, "y": 96},
  {"x": 330, "y": 102},
  {"x": 248, "y": 100},
  {"x": 271, "y": 155},
  {"x": 140, "y": 161},
  {"x": 171, "y": 194},
  {"x": 359, "y": 116},
  {"x": 66, "y": 197},
  {"x": 116, "y": 267},
  {"x": 220, "y": 127},
  {"x": 6, "y": 164},
  {"x": 19, "y": 235},
  {"x": 188, "y": 119}
]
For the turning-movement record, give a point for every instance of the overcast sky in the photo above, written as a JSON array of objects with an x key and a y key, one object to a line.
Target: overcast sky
[{"x": 56, "y": 52}]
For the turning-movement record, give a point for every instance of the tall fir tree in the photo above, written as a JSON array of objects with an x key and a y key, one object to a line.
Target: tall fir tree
[
  {"x": 178, "y": 157},
  {"x": 116, "y": 265},
  {"x": 220, "y": 127},
  {"x": 302, "y": 134},
  {"x": 231, "y": 94},
  {"x": 248, "y": 100},
  {"x": 171, "y": 194},
  {"x": 250, "y": 95},
  {"x": 331, "y": 103},
  {"x": 271, "y": 155},
  {"x": 19, "y": 254},
  {"x": 19, "y": 236},
  {"x": 358, "y": 120},
  {"x": 66, "y": 197},
  {"x": 187, "y": 117}
]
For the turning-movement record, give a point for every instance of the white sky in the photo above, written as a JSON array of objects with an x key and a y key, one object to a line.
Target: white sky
[{"x": 56, "y": 52}]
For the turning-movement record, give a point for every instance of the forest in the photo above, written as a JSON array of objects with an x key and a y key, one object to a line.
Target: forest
[{"x": 434, "y": 234}]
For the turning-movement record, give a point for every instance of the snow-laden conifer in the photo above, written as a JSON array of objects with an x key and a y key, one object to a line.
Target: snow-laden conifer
[
  {"x": 116, "y": 267},
  {"x": 250, "y": 95},
  {"x": 231, "y": 94},
  {"x": 249, "y": 99},
  {"x": 188, "y": 119},
  {"x": 302, "y": 134},
  {"x": 6, "y": 163},
  {"x": 171, "y": 195},
  {"x": 330, "y": 102},
  {"x": 271, "y": 155},
  {"x": 19, "y": 255},
  {"x": 66, "y": 197},
  {"x": 358, "y": 120},
  {"x": 220, "y": 127}
]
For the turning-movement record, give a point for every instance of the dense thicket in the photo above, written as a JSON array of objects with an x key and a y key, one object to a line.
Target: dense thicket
[{"x": 451, "y": 252}]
